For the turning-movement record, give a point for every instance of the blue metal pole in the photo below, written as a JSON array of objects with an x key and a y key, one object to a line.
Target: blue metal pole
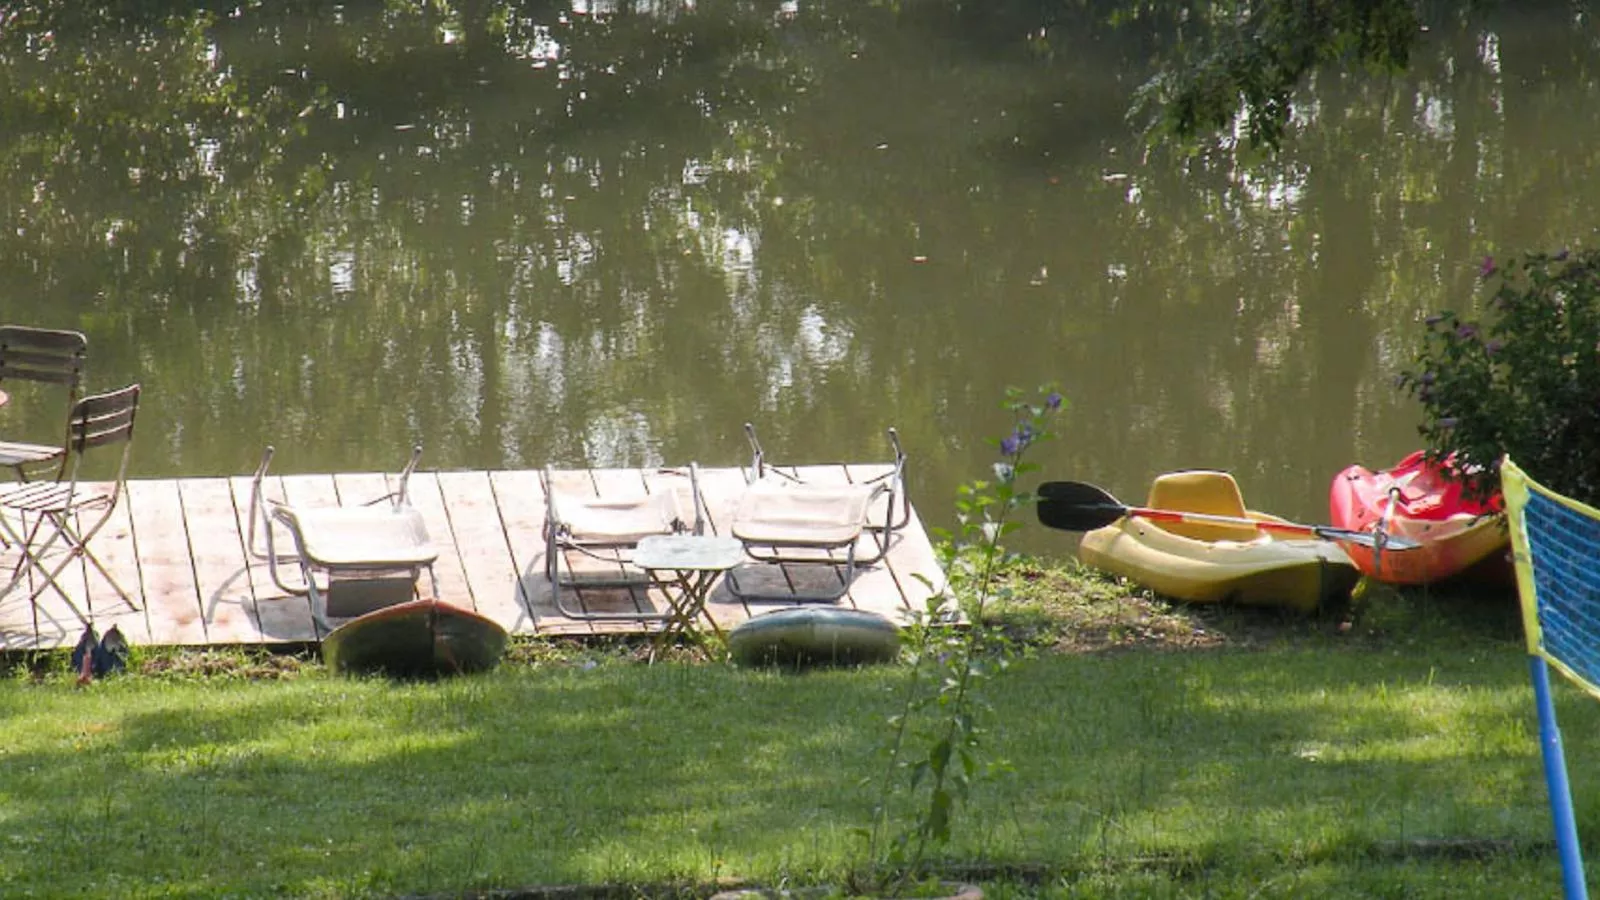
[{"x": 1555, "y": 778}]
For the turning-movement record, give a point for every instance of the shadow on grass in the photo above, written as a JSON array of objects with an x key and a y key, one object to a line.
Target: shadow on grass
[{"x": 1267, "y": 752}]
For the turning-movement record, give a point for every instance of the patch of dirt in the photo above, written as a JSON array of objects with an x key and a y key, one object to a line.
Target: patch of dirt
[{"x": 254, "y": 665}]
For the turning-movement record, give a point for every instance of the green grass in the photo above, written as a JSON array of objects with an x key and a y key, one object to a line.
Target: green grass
[{"x": 1287, "y": 757}]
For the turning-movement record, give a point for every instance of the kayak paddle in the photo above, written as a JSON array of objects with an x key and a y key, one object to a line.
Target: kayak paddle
[{"x": 1075, "y": 506}]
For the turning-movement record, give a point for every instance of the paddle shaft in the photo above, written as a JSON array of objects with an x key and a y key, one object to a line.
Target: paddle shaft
[
  {"x": 1173, "y": 515},
  {"x": 1075, "y": 506}
]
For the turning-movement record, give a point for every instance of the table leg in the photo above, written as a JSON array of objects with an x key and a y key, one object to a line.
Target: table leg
[
  {"x": 703, "y": 594},
  {"x": 675, "y": 589},
  {"x": 686, "y": 593}
]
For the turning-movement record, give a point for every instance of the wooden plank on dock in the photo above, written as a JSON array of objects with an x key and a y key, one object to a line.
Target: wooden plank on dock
[
  {"x": 425, "y": 496},
  {"x": 115, "y": 547},
  {"x": 221, "y": 573},
  {"x": 519, "y": 496},
  {"x": 165, "y": 563},
  {"x": 480, "y": 543}
]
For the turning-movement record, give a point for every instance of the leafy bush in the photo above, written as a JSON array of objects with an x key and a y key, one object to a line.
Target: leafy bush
[{"x": 1521, "y": 376}]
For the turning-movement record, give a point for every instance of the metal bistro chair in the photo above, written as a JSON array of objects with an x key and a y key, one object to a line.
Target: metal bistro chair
[
  {"x": 382, "y": 544},
  {"x": 608, "y": 529},
  {"x": 785, "y": 520},
  {"x": 45, "y": 356},
  {"x": 63, "y": 504}
]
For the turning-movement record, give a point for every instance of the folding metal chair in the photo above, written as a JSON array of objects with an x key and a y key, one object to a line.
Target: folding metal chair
[
  {"x": 46, "y": 356},
  {"x": 785, "y": 520},
  {"x": 347, "y": 555},
  {"x": 61, "y": 505},
  {"x": 608, "y": 529},
  {"x": 888, "y": 488}
]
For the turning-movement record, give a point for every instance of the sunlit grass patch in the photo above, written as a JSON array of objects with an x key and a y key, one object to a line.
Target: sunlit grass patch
[{"x": 1288, "y": 757}]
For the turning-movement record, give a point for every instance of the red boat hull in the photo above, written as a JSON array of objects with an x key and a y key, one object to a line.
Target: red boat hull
[
  {"x": 1455, "y": 534},
  {"x": 421, "y": 638}
]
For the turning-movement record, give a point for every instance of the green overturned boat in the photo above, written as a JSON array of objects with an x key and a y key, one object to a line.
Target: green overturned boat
[
  {"x": 814, "y": 636},
  {"x": 419, "y": 639}
]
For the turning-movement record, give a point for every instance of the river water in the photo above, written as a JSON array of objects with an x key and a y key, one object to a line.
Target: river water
[{"x": 589, "y": 234}]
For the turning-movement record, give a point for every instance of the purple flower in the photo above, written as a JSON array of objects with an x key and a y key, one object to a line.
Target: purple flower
[
  {"x": 1449, "y": 422},
  {"x": 1426, "y": 378},
  {"x": 1466, "y": 331},
  {"x": 1433, "y": 320},
  {"x": 1010, "y": 445},
  {"x": 1494, "y": 346},
  {"x": 1488, "y": 267},
  {"x": 1562, "y": 255},
  {"x": 1053, "y": 402}
]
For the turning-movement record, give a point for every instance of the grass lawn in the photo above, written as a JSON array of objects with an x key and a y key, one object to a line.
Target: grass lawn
[{"x": 1152, "y": 752}]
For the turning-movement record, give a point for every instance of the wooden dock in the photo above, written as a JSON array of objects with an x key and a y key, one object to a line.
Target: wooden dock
[{"x": 179, "y": 547}]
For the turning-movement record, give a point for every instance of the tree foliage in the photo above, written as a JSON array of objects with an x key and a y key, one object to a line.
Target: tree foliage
[
  {"x": 1521, "y": 376},
  {"x": 1260, "y": 53}
]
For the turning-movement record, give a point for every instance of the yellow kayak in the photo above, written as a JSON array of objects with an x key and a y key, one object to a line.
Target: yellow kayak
[{"x": 1212, "y": 563}]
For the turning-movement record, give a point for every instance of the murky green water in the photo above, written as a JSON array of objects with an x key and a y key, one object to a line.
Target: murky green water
[{"x": 531, "y": 232}]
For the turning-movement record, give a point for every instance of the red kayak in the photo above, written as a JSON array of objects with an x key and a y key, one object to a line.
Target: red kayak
[
  {"x": 419, "y": 638},
  {"x": 1417, "y": 499}
]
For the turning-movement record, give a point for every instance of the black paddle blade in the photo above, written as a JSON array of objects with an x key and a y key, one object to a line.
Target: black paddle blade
[{"x": 1075, "y": 506}]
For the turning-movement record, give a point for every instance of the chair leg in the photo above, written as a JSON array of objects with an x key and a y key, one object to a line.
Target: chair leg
[
  {"x": 76, "y": 541},
  {"x": 318, "y": 602},
  {"x": 849, "y": 565},
  {"x": 556, "y": 552},
  {"x": 33, "y": 561},
  {"x": 433, "y": 581},
  {"x": 80, "y": 540}
]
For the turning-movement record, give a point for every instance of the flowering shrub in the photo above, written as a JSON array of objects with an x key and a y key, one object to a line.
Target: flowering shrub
[
  {"x": 941, "y": 706},
  {"x": 1521, "y": 376}
]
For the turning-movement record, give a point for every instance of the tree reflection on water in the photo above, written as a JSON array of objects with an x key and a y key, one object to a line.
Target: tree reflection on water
[{"x": 610, "y": 233}]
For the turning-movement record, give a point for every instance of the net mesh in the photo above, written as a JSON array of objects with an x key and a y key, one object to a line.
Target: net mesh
[{"x": 1564, "y": 552}]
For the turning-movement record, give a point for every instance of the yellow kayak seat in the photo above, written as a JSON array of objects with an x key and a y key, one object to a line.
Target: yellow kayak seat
[{"x": 1202, "y": 491}]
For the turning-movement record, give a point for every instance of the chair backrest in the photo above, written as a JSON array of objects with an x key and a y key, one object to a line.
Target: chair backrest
[
  {"x": 46, "y": 356},
  {"x": 43, "y": 354},
  {"x": 103, "y": 420}
]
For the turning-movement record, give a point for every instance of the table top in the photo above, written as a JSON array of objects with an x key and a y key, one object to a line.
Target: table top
[{"x": 688, "y": 552}]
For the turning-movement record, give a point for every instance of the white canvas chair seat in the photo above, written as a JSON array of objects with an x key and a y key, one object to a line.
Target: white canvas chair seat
[
  {"x": 360, "y": 537},
  {"x": 608, "y": 530},
  {"x": 780, "y": 514},
  {"x": 381, "y": 544},
  {"x": 622, "y": 521},
  {"x": 61, "y": 533},
  {"x": 785, "y": 520}
]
